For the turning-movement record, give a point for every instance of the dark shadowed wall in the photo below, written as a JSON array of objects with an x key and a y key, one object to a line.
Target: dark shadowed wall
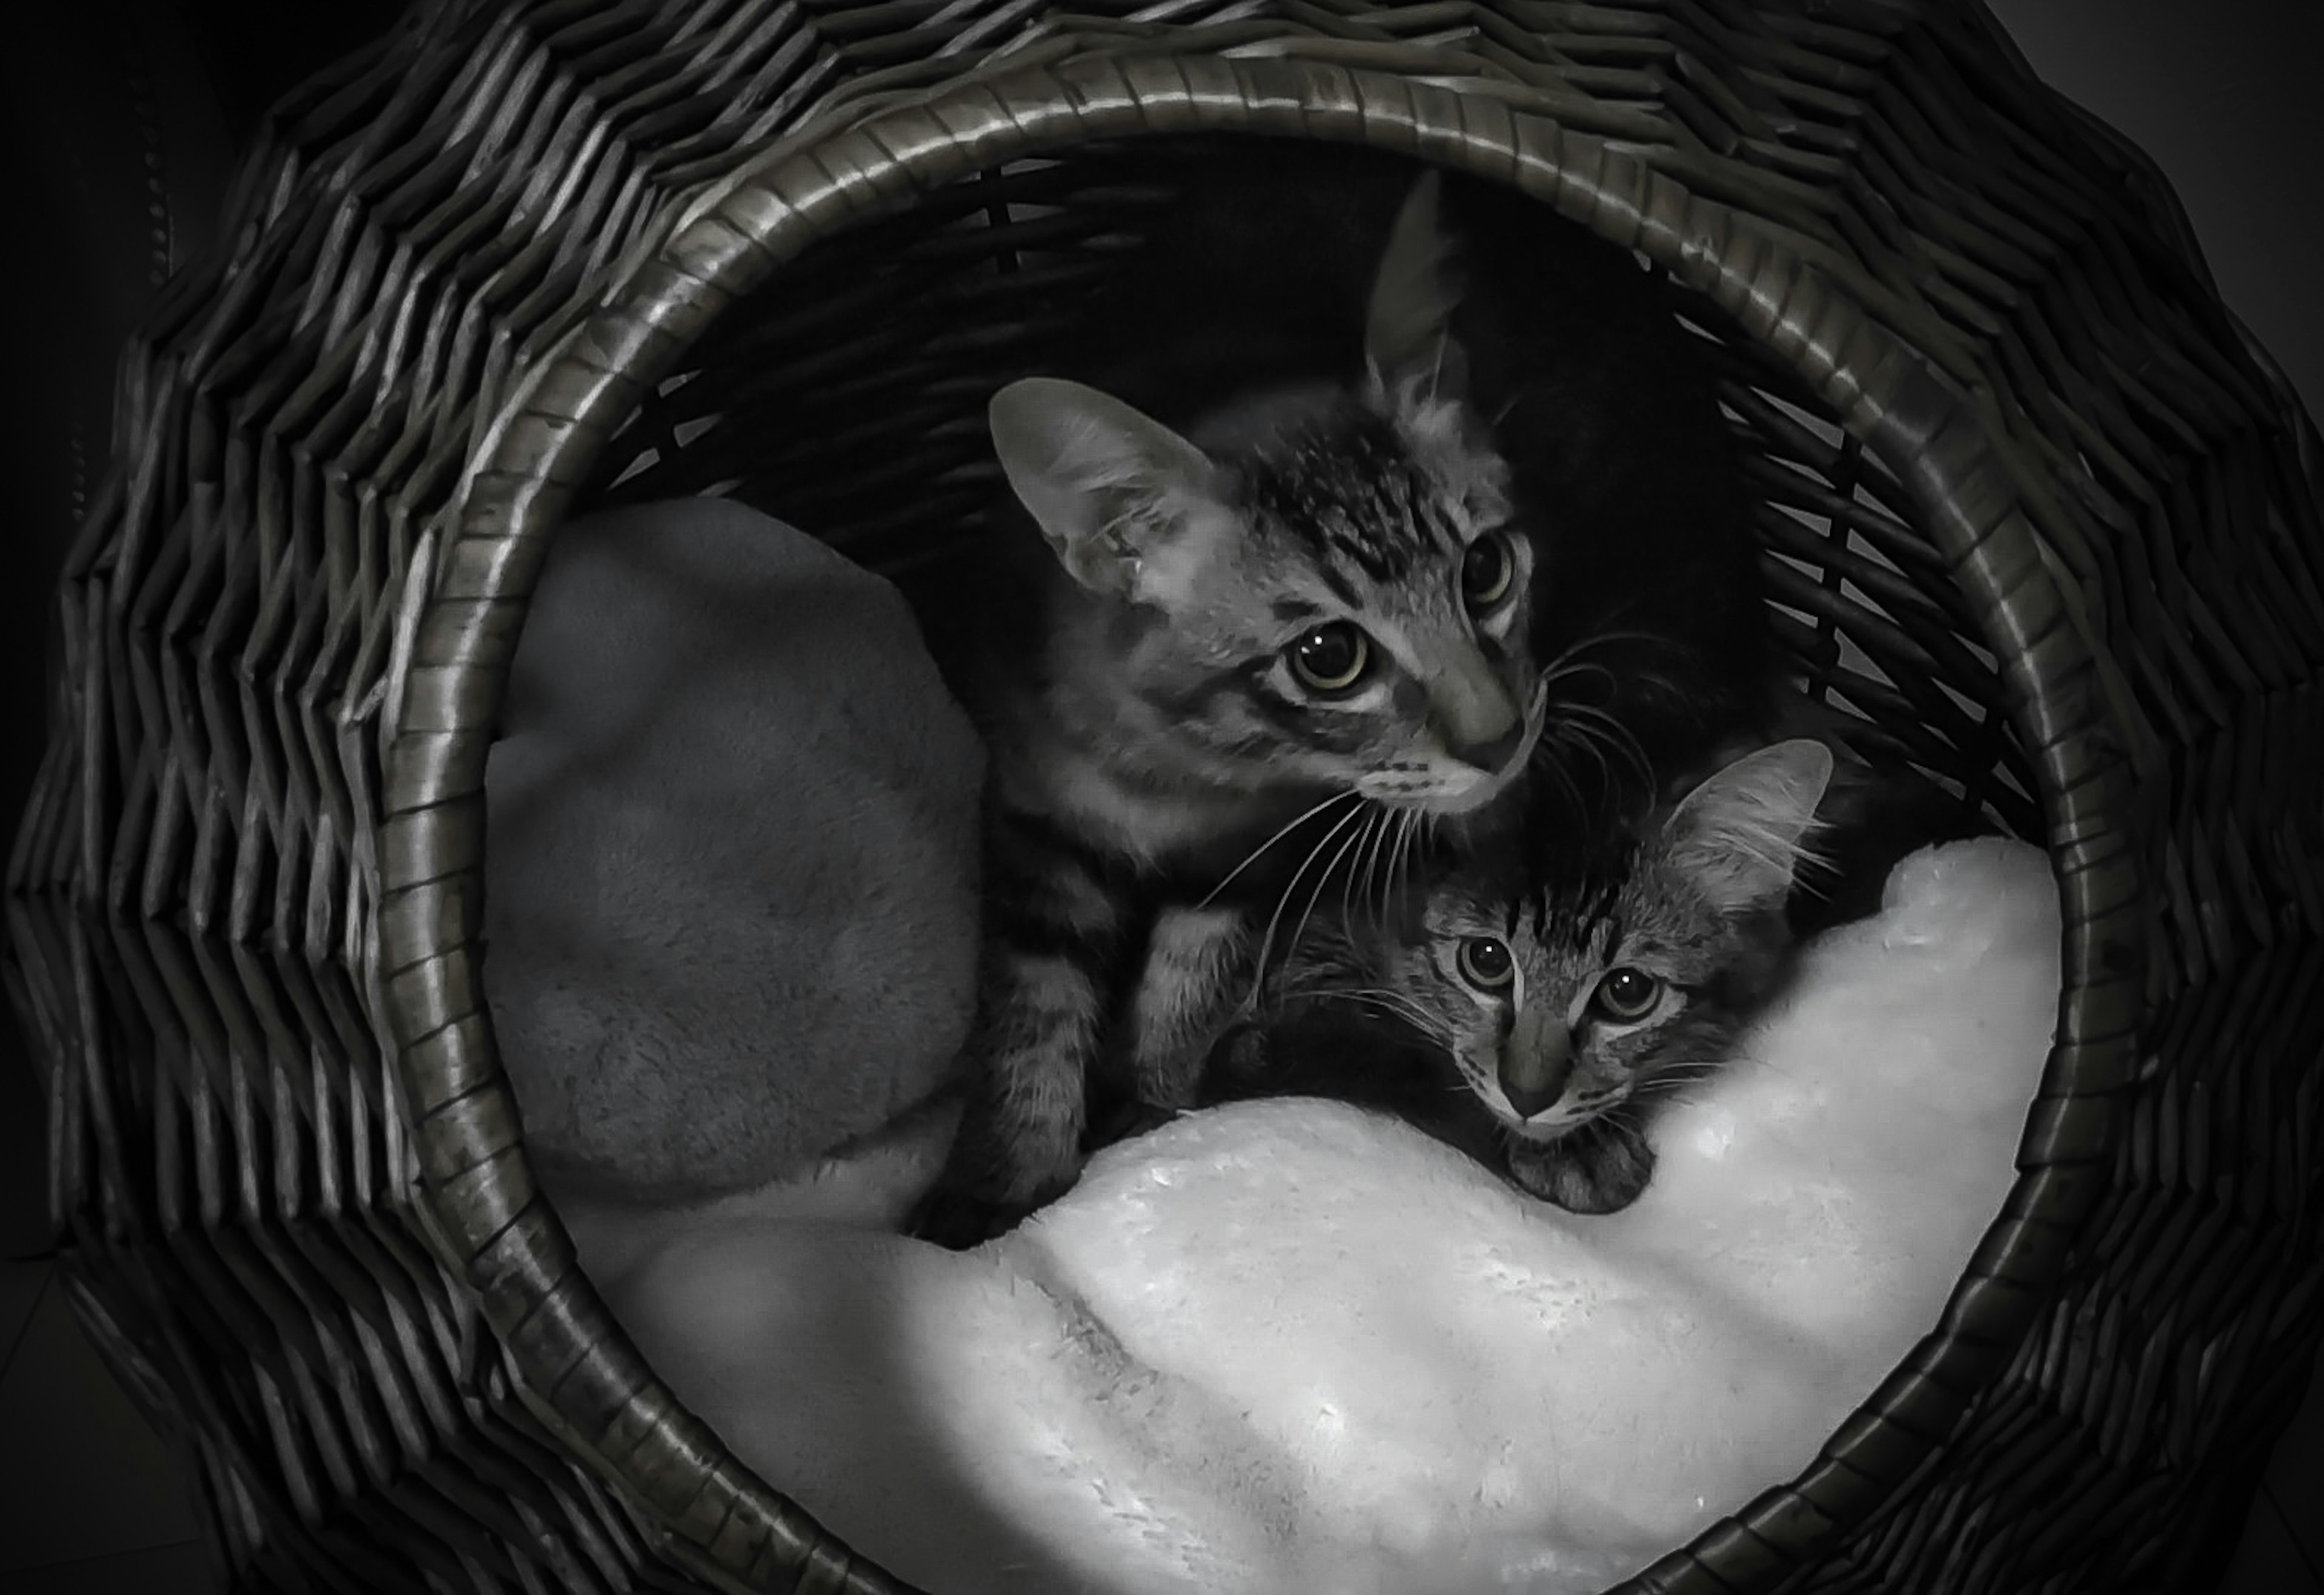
[{"x": 2227, "y": 97}]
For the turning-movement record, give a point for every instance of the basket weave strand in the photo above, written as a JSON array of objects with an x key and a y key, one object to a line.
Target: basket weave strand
[{"x": 2034, "y": 507}]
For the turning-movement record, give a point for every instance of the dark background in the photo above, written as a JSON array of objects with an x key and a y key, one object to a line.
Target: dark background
[
  {"x": 118, "y": 123},
  {"x": 118, "y": 120},
  {"x": 2224, "y": 95}
]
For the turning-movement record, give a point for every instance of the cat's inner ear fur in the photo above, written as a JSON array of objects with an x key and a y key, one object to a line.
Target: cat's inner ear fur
[
  {"x": 1408, "y": 340},
  {"x": 1742, "y": 835},
  {"x": 1126, "y": 503}
]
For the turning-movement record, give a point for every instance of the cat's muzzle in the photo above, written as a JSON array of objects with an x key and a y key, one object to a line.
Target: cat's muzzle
[{"x": 1537, "y": 1060}]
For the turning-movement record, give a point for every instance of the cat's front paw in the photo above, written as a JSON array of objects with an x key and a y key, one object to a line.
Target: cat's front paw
[
  {"x": 1602, "y": 1169},
  {"x": 1533, "y": 1169}
]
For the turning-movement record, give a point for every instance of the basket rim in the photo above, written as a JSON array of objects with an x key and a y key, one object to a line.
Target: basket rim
[{"x": 499, "y": 1233}]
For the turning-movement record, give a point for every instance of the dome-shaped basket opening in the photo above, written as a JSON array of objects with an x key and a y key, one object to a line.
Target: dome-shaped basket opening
[{"x": 818, "y": 334}]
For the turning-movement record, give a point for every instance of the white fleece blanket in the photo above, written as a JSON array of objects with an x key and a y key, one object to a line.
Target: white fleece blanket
[{"x": 1290, "y": 1346}]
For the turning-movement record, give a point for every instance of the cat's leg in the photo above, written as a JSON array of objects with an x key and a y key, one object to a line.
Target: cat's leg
[
  {"x": 1053, "y": 926},
  {"x": 1199, "y": 968},
  {"x": 1601, "y": 1168}
]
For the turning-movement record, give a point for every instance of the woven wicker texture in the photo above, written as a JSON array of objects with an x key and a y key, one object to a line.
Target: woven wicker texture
[{"x": 2034, "y": 508}]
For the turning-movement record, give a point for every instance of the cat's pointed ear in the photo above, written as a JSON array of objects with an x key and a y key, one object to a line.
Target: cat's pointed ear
[
  {"x": 1408, "y": 324},
  {"x": 1109, "y": 485},
  {"x": 1742, "y": 834}
]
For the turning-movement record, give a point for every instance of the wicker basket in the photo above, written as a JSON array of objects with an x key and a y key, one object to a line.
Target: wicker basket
[{"x": 2034, "y": 508}]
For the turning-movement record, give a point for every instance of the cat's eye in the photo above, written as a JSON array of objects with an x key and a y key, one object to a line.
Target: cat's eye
[
  {"x": 1487, "y": 569},
  {"x": 1626, "y": 994},
  {"x": 1484, "y": 963},
  {"x": 1330, "y": 658}
]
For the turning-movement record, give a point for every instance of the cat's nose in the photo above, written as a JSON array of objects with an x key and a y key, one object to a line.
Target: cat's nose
[
  {"x": 1478, "y": 722},
  {"x": 1536, "y": 1061},
  {"x": 1491, "y": 754}
]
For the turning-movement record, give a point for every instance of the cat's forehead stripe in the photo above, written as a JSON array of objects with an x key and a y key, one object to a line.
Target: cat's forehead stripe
[
  {"x": 1347, "y": 483},
  {"x": 1574, "y": 900}
]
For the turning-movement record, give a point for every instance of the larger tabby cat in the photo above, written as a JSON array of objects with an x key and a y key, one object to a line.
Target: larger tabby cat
[{"x": 1290, "y": 604}]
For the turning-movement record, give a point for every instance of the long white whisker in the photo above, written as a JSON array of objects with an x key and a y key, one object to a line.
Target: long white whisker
[
  {"x": 1574, "y": 661},
  {"x": 1406, "y": 841},
  {"x": 1355, "y": 838},
  {"x": 1253, "y": 856},
  {"x": 1384, "y": 863},
  {"x": 1267, "y": 942},
  {"x": 1646, "y": 1090},
  {"x": 1580, "y": 647},
  {"x": 1552, "y": 676},
  {"x": 1418, "y": 1019},
  {"x": 1613, "y": 726},
  {"x": 1619, "y": 740},
  {"x": 1375, "y": 824},
  {"x": 1381, "y": 849},
  {"x": 1620, "y": 610},
  {"x": 1556, "y": 768},
  {"x": 1589, "y": 741},
  {"x": 1515, "y": 398},
  {"x": 1394, "y": 849},
  {"x": 1395, "y": 1002}
]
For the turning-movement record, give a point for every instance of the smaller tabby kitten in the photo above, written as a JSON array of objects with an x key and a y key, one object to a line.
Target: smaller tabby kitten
[{"x": 1570, "y": 1006}]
